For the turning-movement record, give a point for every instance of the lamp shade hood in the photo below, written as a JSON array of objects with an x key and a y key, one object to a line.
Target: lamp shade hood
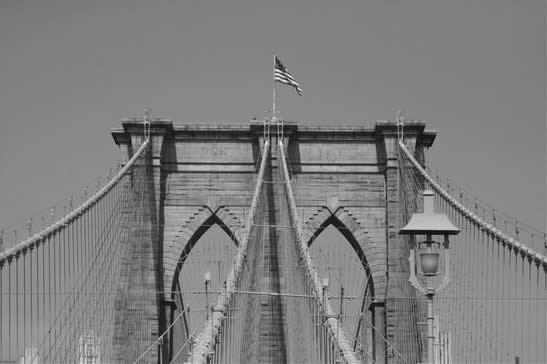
[{"x": 429, "y": 222}]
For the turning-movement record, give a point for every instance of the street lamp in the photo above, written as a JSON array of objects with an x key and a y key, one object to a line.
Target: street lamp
[
  {"x": 428, "y": 254},
  {"x": 207, "y": 279}
]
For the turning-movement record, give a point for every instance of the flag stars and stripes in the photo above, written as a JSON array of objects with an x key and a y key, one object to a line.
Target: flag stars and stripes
[{"x": 283, "y": 76}]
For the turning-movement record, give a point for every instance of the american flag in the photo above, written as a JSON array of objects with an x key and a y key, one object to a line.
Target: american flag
[{"x": 283, "y": 76}]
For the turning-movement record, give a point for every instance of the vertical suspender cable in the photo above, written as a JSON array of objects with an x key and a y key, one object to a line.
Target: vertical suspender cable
[
  {"x": 17, "y": 304},
  {"x": 2, "y": 298},
  {"x": 9, "y": 307},
  {"x": 25, "y": 329},
  {"x": 31, "y": 293}
]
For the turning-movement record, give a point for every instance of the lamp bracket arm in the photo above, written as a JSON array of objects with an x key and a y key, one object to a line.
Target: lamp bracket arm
[
  {"x": 446, "y": 278},
  {"x": 413, "y": 279}
]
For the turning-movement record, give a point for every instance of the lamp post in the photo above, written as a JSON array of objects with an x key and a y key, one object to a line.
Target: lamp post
[
  {"x": 425, "y": 257},
  {"x": 207, "y": 279}
]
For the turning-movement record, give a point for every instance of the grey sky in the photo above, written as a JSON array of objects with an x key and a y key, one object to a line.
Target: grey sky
[{"x": 70, "y": 70}]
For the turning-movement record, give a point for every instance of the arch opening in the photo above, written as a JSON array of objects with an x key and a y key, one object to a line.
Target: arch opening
[
  {"x": 339, "y": 258},
  {"x": 210, "y": 250}
]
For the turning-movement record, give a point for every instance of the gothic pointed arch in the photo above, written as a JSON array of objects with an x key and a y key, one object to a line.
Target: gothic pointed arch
[
  {"x": 371, "y": 253},
  {"x": 200, "y": 231},
  {"x": 220, "y": 230},
  {"x": 180, "y": 244},
  {"x": 365, "y": 273}
]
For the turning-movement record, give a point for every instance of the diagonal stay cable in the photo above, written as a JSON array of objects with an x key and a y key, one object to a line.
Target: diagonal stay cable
[
  {"x": 206, "y": 338},
  {"x": 70, "y": 302},
  {"x": 348, "y": 355},
  {"x": 75, "y": 214},
  {"x": 513, "y": 243}
]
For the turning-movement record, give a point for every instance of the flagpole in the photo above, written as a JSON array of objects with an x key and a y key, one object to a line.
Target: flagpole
[{"x": 273, "y": 103}]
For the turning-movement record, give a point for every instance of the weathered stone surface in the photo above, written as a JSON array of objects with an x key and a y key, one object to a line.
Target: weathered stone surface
[{"x": 205, "y": 174}]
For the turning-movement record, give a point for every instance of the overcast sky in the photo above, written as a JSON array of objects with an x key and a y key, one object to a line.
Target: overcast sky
[{"x": 71, "y": 69}]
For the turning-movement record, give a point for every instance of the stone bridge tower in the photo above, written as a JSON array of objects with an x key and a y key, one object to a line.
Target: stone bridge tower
[{"x": 346, "y": 176}]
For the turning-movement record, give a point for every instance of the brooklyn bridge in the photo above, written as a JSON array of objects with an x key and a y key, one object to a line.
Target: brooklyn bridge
[{"x": 273, "y": 242}]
